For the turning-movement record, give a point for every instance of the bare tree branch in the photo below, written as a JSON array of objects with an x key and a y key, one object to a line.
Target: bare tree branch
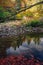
[{"x": 23, "y": 9}]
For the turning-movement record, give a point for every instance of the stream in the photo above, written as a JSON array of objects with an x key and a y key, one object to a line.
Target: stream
[{"x": 27, "y": 45}]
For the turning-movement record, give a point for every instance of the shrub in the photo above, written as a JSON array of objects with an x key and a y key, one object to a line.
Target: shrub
[
  {"x": 35, "y": 23},
  {"x": 3, "y": 14}
]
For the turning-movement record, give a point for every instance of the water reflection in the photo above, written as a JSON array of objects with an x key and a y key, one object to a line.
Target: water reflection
[{"x": 26, "y": 45}]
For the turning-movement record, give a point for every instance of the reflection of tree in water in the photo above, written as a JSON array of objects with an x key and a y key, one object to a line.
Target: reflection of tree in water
[
  {"x": 37, "y": 40},
  {"x": 6, "y": 43},
  {"x": 29, "y": 39},
  {"x": 19, "y": 41},
  {"x": 3, "y": 45},
  {"x": 14, "y": 44}
]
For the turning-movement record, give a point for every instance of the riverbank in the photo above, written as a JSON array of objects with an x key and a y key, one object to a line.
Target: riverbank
[{"x": 8, "y": 29}]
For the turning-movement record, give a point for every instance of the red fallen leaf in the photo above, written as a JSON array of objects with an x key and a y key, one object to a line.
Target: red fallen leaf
[
  {"x": 42, "y": 63},
  {"x": 37, "y": 64},
  {"x": 13, "y": 64},
  {"x": 19, "y": 60}
]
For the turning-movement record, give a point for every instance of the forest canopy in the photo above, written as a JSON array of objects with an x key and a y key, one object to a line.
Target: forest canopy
[{"x": 16, "y": 9}]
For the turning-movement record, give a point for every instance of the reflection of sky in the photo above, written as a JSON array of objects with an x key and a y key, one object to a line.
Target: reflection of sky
[{"x": 33, "y": 48}]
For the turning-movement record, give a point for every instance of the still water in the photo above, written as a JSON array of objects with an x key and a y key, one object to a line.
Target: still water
[{"x": 27, "y": 45}]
